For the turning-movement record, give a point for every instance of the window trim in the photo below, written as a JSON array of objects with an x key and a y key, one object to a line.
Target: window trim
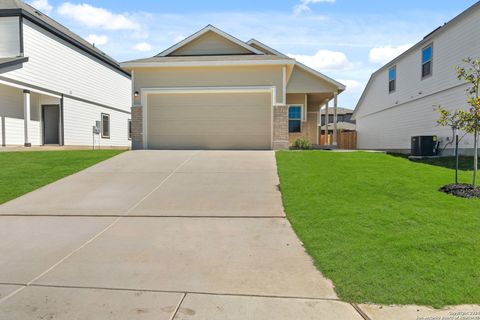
[
  {"x": 297, "y": 105},
  {"x": 430, "y": 45},
  {"x": 109, "y": 127},
  {"x": 129, "y": 129},
  {"x": 394, "y": 80},
  {"x": 302, "y": 112}
]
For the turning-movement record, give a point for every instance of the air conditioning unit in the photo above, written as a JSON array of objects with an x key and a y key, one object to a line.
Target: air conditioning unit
[{"x": 424, "y": 146}]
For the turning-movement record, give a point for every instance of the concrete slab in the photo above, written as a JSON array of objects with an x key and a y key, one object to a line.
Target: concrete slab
[
  {"x": 31, "y": 245},
  {"x": 144, "y": 161},
  {"x": 215, "y": 194},
  {"x": 231, "y": 161},
  {"x": 5, "y": 290},
  {"x": 69, "y": 304},
  {"x": 224, "y": 256},
  {"x": 202, "y": 307},
  {"x": 87, "y": 194},
  {"x": 411, "y": 312}
]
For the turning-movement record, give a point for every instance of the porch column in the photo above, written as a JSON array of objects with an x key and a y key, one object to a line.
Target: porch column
[
  {"x": 335, "y": 105},
  {"x": 327, "y": 142},
  {"x": 26, "y": 117}
]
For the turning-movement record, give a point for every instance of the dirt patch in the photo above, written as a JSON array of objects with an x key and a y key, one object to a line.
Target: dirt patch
[{"x": 462, "y": 190}]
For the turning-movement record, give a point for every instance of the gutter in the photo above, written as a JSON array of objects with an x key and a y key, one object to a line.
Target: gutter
[{"x": 61, "y": 35}]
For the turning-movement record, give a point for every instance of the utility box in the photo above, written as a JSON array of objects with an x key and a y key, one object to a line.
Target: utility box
[{"x": 424, "y": 146}]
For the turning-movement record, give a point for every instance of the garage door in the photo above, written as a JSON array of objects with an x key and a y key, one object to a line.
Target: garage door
[{"x": 209, "y": 121}]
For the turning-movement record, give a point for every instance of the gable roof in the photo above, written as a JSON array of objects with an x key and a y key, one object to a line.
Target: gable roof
[
  {"x": 222, "y": 60},
  {"x": 418, "y": 45},
  {"x": 269, "y": 50},
  {"x": 340, "y": 111},
  {"x": 341, "y": 87},
  {"x": 166, "y": 59},
  {"x": 22, "y": 9},
  {"x": 203, "y": 31},
  {"x": 274, "y": 52}
]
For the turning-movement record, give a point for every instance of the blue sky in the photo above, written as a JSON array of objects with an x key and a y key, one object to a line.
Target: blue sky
[{"x": 344, "y": 39}]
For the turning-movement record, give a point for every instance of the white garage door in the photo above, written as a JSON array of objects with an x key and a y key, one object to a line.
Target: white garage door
[{"x": 209, "y": 120}]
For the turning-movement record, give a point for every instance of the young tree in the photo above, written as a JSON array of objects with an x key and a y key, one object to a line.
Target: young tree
[
  {"x": 470, "y": 119},
  {"x": 454, "y": 121}
]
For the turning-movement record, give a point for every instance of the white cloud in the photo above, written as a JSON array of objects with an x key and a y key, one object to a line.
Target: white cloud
[
  {"x": 352, "y": 85},
  {"x": 324, "y": 60},
  {"x": 98, "y": 40},
  {"x": 304, "y": 5},
  {"x": 42, "y": 5},
  {"x": 143, "y": 47},
  {"x": 94, "y": 17},
  {"x": 383, "y": 55}
]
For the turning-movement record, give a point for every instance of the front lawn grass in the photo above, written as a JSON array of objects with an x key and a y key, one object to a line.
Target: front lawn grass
[
  {"x": 379, "y": 228},
  {"x": 23, "y": 172}
]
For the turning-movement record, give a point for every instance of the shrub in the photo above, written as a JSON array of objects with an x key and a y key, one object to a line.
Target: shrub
[{"x": 302, "y": 144}]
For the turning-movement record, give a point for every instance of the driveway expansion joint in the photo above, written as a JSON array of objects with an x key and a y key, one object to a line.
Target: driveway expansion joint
[
  {"x": 188, "y": 292},
  {"x": 178, "y": 306},
  {"x": 360, "y": 311},
  {"x": 162, "y": 182}
]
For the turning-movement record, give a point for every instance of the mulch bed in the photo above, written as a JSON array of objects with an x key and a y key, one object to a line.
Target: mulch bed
[{"x": 462, "y": 190}]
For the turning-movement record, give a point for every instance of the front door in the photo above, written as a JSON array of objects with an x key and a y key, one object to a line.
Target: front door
[{"x": 51, "y": 127}]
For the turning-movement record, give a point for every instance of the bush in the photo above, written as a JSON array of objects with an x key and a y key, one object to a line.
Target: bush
[{"x": 302, "y": 144}]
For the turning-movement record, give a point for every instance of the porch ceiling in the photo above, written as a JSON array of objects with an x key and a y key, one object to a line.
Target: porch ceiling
[{"x": 319, "y": 98}]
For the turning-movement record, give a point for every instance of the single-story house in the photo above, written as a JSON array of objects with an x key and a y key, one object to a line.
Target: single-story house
[
  {"x": 342, "y": 123},
  {"x": 214, "y": 91},
  {"x": 55, "y": 86},
  {"x": 400, "y": 99}
]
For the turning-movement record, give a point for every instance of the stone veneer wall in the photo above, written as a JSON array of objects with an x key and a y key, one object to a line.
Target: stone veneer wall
[
  {"x": 137, "y": 128},
  {"x": 280, "y": 127},
  {"x": 309, "y": 130}
]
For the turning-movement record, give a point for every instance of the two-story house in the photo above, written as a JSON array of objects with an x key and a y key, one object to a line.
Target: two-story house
[
  {"x": 55, "y": 86},
  {"x": 400, "y": 99}
]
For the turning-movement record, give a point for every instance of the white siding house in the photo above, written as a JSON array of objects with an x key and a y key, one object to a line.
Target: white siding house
[
  {"x": 55, "y": 86},
  {"x": 390, "y": 113}
]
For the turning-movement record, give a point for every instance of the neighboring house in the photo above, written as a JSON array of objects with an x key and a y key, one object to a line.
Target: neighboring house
[
  {"x": 344, "y": 123},
  {"x": 55, "y": 86},
  {"x": 213, "y": 91},
  {"x": 400, "y": 99}
]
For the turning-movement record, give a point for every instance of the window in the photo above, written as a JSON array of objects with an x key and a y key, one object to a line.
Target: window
[
  {"x": 294, "y": 119},
  {"x": 427, "y": 56},
  {"x": 129, "y": 129},
  {"x": 392, "y": 79},
  {"x": 105, "y": 125}
]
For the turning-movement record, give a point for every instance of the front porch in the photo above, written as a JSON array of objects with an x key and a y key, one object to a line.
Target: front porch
[
  {"x": 304, "y": 118},
  {"x": 29, "y": 118}
]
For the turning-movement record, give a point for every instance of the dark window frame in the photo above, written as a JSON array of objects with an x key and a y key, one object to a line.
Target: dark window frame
[
  {"x": 129, "y": 129},
  {"x": 105, "y": 136},
  {"x": 297, "y": 128},
  {"x": 429, "y": 62},
  {"x": 392, "y": 83}
]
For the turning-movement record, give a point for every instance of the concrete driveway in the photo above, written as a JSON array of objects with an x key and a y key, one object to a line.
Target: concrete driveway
[{"x": 161, "y": 235}]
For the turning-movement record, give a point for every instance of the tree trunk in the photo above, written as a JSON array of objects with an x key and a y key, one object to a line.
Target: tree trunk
[
  {"x": 475, "y": 159},
  {"x": 456, "y": 158}
]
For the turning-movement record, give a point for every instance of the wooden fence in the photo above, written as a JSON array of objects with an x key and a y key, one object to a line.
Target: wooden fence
[{"x": 347, "y": 140}]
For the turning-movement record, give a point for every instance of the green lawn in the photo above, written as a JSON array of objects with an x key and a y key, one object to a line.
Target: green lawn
[
  {"x": 379, "y": 228},
  {"x": 22, "y": 172}
]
